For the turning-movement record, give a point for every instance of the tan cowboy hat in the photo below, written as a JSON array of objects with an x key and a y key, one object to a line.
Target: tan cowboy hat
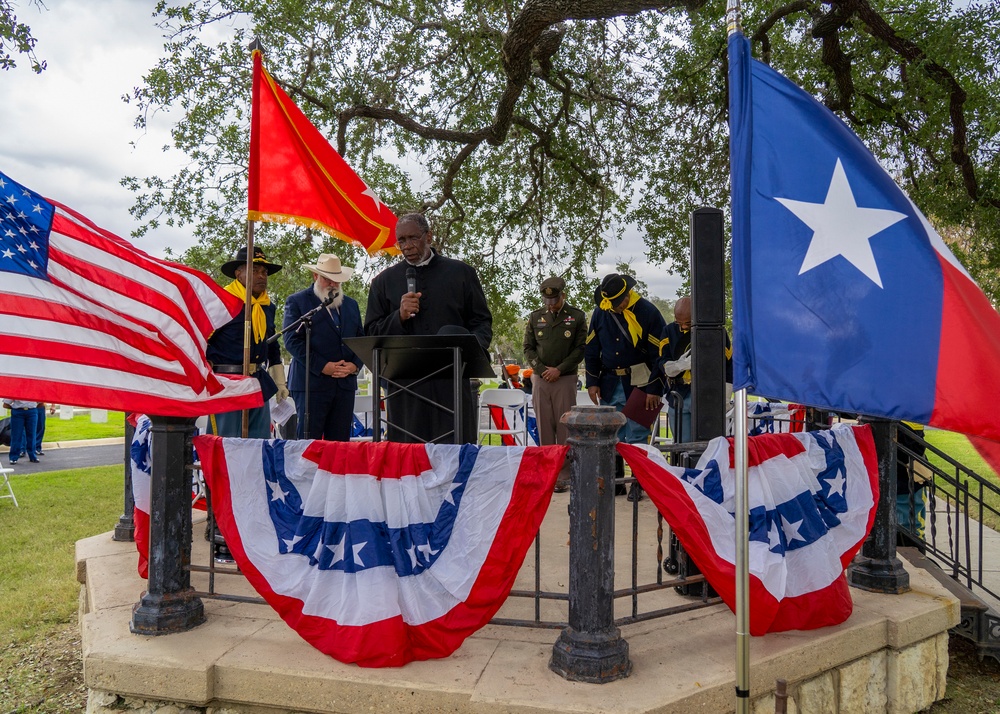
[{"x": 328, "y": 265}]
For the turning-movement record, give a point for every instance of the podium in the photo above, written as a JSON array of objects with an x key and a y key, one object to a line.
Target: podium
[{"x": 412, "y": 369}]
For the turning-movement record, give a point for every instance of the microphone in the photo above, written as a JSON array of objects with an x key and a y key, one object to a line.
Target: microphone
[
  {"x": 330, "y": 297},
  {"x": 411, "y": 280}
]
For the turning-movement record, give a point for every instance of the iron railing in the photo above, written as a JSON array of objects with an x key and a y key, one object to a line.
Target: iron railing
[{"x": 960, "y": 504}]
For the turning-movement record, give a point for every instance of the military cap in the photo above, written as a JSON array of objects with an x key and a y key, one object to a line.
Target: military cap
[{"x": 551, "y": 287}]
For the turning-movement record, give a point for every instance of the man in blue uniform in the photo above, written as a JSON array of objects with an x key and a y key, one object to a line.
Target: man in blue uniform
[
  {"x": 675, "y": 361},
  {"x": 623, "y": 348},
  {"x": 332, "y": 367},
  {"x": 225, "y": 346}
]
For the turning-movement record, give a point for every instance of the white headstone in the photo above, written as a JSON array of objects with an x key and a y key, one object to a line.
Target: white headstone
[
  {"x": 65, "y": 411},
  {"x": 99, "y": 416}
]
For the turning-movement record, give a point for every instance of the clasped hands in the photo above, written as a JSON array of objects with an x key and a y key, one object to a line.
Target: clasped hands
[{"x": 341, "y": 368}]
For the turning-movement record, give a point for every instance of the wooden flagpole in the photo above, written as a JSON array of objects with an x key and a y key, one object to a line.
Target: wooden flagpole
[{"x": 248, "y": 305}]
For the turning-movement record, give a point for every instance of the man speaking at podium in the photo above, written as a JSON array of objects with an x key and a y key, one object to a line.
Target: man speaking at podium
[{"x": 428, "y": 294}]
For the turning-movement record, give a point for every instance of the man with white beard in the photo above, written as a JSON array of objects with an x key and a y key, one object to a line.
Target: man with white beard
[{"x": 333, "y": 367}]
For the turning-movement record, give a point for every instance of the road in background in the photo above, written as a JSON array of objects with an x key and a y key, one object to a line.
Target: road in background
[{"x": 72, "y": 455}]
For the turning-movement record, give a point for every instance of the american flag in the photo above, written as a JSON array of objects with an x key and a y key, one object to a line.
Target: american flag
[{"x": 86, "y": 319}]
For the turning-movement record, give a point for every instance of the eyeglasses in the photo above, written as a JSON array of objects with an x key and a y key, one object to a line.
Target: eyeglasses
[{"x": 403, "y": 240}]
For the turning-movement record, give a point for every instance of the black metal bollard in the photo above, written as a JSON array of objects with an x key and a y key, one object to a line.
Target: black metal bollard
[
  {"x": 125, "y": 530},
  {"x": 169, "y": 604},
  {"x": 877, "y": 568},
  {"x": 591, "y": 649}
]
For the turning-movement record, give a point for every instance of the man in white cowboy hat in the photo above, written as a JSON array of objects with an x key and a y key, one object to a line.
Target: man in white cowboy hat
[{"x": 332, "y": 371}]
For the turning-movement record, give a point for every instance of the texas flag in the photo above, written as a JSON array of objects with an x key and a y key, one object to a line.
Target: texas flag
[
  {"x": 379, "y": 553},
  {"x": 812, "y": 499},
  {"x": 844, "y": 295}
]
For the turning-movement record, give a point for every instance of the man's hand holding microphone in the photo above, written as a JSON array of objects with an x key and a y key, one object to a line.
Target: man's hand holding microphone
[{"x": 409, "y": 304}]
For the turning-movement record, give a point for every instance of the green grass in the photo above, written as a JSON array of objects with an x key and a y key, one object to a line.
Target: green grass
[
  {"x": 38, "y": 580},
  {"x": 40, "y": 653},
  {"x": 80, "y": 427},
  {"x": 957, "y": 446}
]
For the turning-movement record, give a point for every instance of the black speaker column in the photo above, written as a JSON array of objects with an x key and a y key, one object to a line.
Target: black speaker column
[{"x": 708, "y": 316}]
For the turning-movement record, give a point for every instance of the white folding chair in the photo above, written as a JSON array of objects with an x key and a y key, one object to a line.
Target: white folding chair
[
  {"x": 4, "y": 474},
  {"x": 511, "y": 404}
]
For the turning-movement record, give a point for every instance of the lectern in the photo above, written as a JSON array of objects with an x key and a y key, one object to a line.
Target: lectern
[{"x": 412, "y": 367}]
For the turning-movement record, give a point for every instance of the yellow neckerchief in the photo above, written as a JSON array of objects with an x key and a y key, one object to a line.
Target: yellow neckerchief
[
  {"x": 257, "y": 318},
  {"x": 634, "y": 328}
]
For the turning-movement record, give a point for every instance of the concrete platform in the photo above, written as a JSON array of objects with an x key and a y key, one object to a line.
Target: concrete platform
[{"x": 890, "y": 656}]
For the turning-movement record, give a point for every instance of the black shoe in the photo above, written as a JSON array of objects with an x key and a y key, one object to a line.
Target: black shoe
[
  {"x": 39, "y": 453},
  {"x": 222, "y": 554},
  {"x": 635, "y": 493},
  {"x": 34, "y": 461},
  {"x": 620, "y": 489},
  {"x": 13, "y": 461},
  {"x": 22, "y": 454}
]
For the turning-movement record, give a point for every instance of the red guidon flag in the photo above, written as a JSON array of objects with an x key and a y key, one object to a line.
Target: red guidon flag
[{"x": 297, "y": 177}]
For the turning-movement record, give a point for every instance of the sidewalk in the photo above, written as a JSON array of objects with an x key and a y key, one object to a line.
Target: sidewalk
[{"x": 47, "y": 445}]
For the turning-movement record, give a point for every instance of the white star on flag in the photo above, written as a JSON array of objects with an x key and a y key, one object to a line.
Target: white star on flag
[
  {"x": 338, "y": 550},
  {"x": 276, "y": 493},
  {"x": 791, "y": 530},
  {"x": 841, "y": 227},
  {"x": 836, "y": 484},
  {"x": 773, "y": 537},
  {"x": 427, "y": 551},
  {"x": 357, "y": 553},
  {"x": 371, "y": 194},
  {"x": 450, "y": 496}
]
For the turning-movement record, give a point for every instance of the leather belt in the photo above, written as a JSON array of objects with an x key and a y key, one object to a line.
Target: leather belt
[{"x": 235, "y": 368}]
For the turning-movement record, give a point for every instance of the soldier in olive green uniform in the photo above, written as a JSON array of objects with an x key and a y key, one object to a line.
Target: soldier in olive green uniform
[{"x": 554, "y": 340}]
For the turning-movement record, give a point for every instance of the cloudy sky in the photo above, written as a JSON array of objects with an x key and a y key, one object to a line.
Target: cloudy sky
[{"x": 67, "y": 134}]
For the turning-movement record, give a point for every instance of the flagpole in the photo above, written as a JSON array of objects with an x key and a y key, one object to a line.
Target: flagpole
[
  {"x": 742, "y": 514},
  {"x": 742, "y": 554},
  {"x": 255, "y": 47}
]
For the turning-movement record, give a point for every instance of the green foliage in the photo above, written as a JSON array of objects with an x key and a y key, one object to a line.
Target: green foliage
[
  {"x": 16, "y": 36},
  {"x": 534, "y": 132}
]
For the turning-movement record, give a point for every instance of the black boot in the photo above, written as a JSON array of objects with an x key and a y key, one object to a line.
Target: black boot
[{"x": 635, "y": 492}]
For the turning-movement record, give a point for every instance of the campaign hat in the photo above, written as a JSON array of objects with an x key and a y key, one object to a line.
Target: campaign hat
[{"x": 229, "y": 267}]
